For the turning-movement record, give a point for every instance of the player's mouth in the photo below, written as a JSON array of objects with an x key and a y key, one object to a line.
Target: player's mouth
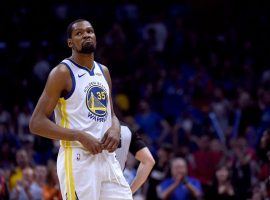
[{"x": 87, "y": 41}]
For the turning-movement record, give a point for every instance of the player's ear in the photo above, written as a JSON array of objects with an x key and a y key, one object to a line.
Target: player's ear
[{"x": 69, "y": 43}]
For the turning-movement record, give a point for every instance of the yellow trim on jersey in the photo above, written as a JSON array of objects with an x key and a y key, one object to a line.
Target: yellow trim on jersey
[
  {"x": 70, "y": 186},
  {"x": 69, "y": 175}
]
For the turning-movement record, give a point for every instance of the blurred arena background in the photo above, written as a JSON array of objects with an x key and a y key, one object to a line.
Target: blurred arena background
[{"x": 191, "y": 77}]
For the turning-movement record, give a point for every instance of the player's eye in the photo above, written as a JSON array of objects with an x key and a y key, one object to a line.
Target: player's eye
[{"x": 79, "y": 33}]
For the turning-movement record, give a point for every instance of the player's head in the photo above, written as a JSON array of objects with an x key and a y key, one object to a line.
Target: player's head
[{"x": 81, "y": 37}]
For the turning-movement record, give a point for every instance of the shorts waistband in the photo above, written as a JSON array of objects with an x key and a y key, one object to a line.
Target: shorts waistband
[{"x": 74, "y": 144}]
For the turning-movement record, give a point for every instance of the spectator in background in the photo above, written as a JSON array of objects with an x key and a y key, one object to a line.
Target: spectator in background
[
  {"x": 15, "y": 115},
  {"x": 217, "y": 152},
  {"x": 173, "y": 98},
  {"x": 51, "y": 189},
  {"x": 264, "y": 152},
  {"x": 264, "y": 146},
  {"x": 220, "y": 114},
  {"x": 180, "y": 186},
  {"x": 115, "y": 36},
  {"x": 156, "y": 127},
  {"x": 41, "y": 69},
  {"x": 5, "y": 117},
  {"x": 222, "y": 188},
  {"x": 241, "y": 119},
  {"x": 264, "y": 104},
  {"x": 4, "y": 193},
  {"x": 206, "y": 160},
  {"x": 23, "y": 121},
  {"x": 6, "y": 155},
  {"x": 40, "y": 73},
  {"x": 41, "y": 175},
  {"x": 156, "y": 31},
  {"x": 9, "y": 143},
  {"x": 185, "y": 133},
  {"x": 127, "y": 11},
  {"x": 27, "y": 188},
  {"x": 160, "y": 170},
  {"x": 259, "y": 193},
  {"x": 22, "y": 163},
  {"x": 241, "y": 168}
]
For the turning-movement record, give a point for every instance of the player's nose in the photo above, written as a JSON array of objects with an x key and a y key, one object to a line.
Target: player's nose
[{"x": 86, "y": 35}]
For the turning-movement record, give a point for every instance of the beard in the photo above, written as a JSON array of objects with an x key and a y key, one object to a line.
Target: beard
[{"x": 87, "y": 48}]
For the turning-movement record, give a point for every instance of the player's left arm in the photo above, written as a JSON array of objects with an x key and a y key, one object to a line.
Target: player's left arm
[
  {"x": 147, "y": 162},
  {"x": 111, "y": 138}
]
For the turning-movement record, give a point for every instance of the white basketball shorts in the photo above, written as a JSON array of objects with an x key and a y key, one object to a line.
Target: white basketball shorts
[{"x": 85, "y": 176}]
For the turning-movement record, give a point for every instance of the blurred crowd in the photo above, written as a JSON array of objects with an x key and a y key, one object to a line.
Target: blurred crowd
[{"x": 193, "y": 80}]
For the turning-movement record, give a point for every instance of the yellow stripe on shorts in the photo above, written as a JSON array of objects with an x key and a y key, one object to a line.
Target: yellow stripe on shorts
[{"x": 70, "y": 186}]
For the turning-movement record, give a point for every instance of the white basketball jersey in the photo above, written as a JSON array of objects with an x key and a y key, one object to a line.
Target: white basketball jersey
[{"x": 87, "y": 106}]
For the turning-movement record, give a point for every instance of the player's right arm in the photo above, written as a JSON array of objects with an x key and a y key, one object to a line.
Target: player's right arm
[
  {"x": 59, "y": 80},
  {"x": 40, "y": 123}
]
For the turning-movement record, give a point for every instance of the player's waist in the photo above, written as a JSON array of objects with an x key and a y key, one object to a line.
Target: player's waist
[
  {"x": 79, "y": 147},
  {"x": 74, "y": 144}
]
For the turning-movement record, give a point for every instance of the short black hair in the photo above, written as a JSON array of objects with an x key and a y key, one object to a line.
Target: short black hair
[{"x": 70, "y": 26}]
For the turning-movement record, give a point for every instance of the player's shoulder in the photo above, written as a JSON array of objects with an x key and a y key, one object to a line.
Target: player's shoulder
[
  {"x": 104, "y": 68},
  {"x": 62, "y": 68},
  {"x": 60, "y": 71}
]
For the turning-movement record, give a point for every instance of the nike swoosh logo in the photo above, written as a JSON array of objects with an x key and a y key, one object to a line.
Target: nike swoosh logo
[{"x": 81, "y": 75}]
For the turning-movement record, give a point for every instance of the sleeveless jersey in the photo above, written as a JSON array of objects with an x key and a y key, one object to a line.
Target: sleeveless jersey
[{"x": 87, "y": 106}]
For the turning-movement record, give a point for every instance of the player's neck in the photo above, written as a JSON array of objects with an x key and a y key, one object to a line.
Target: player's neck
[{"x": 85, "y": 60}]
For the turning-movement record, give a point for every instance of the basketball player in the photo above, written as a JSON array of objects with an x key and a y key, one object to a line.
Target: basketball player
[
  {"x": 133, "y": 143},
  {"x": 78, "y": 90}
]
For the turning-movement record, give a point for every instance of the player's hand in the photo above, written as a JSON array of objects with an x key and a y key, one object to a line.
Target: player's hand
[
  {"x": 110, "y": 140},
  {"x": 90, "y": 143}
]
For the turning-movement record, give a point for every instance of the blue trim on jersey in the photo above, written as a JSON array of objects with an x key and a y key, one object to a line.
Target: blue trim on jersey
[
  {"x": 101, "y": 68},
  {"x": 73, "y": 82},
  {"x": 91, "y": 72}
]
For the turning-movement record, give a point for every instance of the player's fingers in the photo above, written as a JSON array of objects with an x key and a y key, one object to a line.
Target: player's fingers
[
  {"x": 104, "y": 138},
  {"x": 94, "y": 150},
  {"x": 99, "y": 149},
  {"x": 102, "y": 146},
  {"x": 115, "y": 146},
  {"x": 114, "y": 143},
  {"x": 110, "y": 145},
  {"x": 107, "y": 142}
]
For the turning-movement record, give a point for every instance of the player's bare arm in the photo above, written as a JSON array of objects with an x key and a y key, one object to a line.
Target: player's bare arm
[
  {"x": 111, "y": 139},
  {"x": 59, "y": 80}
]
